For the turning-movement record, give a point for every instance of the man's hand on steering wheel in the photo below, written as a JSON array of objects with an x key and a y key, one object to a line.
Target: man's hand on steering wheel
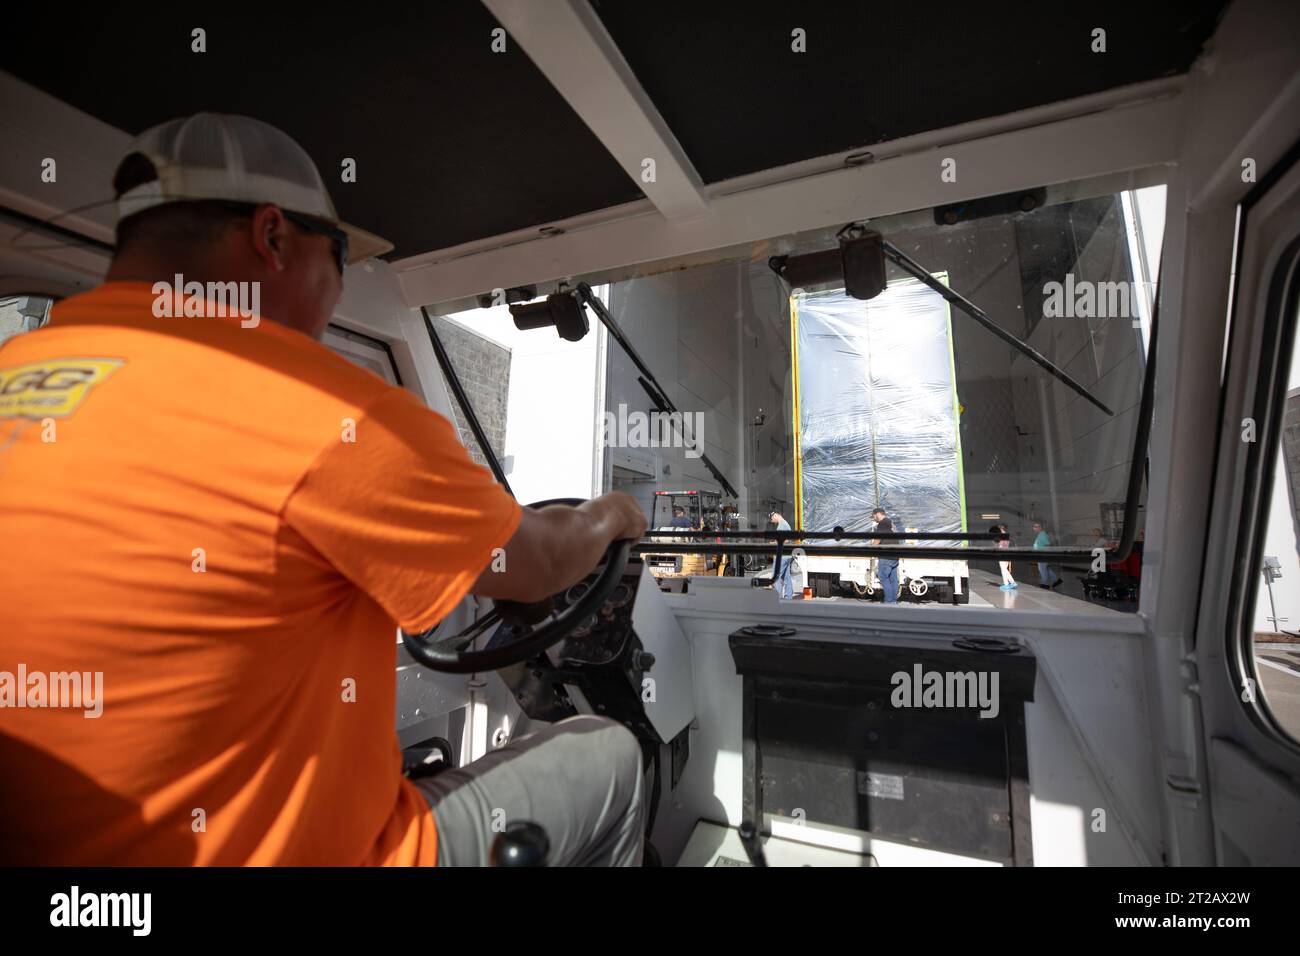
[{"x": 556, "y": 545}]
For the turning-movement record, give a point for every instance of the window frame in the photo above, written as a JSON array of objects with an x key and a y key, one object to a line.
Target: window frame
[
  {"x": 54, "y": 299},
  {"x": 361, "y": 338},
  {"x": 1281, "y": 323}
]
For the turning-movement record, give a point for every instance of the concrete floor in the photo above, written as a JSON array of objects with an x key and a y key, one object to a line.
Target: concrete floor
[
  {"x": 1069, "y": 597},
  {"x": 1279, "y": 676}
]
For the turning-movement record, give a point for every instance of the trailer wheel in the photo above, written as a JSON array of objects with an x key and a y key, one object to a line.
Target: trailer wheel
[{"x": 918, "y": 586}]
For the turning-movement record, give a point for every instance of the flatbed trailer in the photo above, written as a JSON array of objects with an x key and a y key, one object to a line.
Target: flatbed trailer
[{"x": 929, "y": 579}]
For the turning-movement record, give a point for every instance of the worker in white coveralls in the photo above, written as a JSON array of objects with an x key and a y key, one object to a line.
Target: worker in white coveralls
[{"x": 783, "y": 583}]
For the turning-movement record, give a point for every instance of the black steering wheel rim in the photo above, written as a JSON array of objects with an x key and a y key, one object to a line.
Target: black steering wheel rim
[{"x": 441, "y": 656}]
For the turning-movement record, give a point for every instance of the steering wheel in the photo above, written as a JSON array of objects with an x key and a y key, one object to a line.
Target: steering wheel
[{"x": 527, "y": 629}]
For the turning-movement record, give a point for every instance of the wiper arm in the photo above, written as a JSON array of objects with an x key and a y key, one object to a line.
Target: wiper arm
[{"x": 909, "y": 265}]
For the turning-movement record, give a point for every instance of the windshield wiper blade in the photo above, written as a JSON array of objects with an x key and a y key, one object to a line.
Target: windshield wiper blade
[{"x": 909, "y": 265}]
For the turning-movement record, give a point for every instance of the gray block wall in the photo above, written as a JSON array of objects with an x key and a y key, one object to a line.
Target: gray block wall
[
  {"x": 483, "y": 368},
  {"x": 1291, "y": 457}
]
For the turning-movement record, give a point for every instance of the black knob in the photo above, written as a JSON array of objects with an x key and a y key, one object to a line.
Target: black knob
[
  {"x": 523, "y": 843},
  {"x": 751, "y": 840}
]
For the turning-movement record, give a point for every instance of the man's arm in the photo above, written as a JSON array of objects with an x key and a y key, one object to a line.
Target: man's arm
[
  {"x": 425, "y": 530},
  {"x": 557, "y": 546}
]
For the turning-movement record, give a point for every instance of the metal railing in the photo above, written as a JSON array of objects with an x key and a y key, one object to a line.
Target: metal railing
[{"x": 775, "y": 543}]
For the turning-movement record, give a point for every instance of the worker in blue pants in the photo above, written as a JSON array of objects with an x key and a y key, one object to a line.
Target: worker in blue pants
[
  {"x": 886, "y": 568},
  {"x": 1047, "y": 578}
]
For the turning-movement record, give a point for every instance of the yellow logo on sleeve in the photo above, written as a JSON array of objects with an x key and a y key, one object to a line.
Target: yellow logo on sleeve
[{"x": 52, "y": 388}]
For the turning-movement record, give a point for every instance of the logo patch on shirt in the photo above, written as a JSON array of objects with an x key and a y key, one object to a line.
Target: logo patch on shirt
[{"x": 52, "y": 388}]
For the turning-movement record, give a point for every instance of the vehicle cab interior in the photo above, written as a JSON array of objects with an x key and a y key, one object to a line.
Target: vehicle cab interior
[{"x": 1028, "y": 283}]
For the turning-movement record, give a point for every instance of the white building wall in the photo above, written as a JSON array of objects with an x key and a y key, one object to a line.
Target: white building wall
[{"x": 553, "y": 414}]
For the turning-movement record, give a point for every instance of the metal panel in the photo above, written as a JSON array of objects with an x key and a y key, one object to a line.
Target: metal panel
[
  {"x": 830, "y": 744},
  {"x": 674, "y": 683},
  {"x": 1239, "y": 110}
]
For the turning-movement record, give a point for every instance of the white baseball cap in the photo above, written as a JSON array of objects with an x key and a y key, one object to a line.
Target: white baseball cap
[{"x": 238, "y": 159}]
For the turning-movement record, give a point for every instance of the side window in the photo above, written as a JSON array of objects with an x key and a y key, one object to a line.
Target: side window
[
  {"x": 362, "y": 350},
  {"x": 1276, "y": 619},
  {"x": 22, "y": 313}
]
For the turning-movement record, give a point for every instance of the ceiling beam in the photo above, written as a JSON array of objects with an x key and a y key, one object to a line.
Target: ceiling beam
[{"x": 568, "y": 43}]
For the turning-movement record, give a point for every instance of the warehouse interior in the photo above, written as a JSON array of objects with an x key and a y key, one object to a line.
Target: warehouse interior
[{"x": 719, "y": 336}]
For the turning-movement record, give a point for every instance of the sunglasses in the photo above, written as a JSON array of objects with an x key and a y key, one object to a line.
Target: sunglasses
[
  {"x": 308, "y": 224},
  {"x": 319, "y": 228}
]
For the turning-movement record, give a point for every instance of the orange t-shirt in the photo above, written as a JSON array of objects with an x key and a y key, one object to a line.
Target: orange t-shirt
[{"x": 227, "y": 524}]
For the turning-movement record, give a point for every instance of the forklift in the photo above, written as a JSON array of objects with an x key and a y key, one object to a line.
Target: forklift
[{"x": 706, "y": 512}]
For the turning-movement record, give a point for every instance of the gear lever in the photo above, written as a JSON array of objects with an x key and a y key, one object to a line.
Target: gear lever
[{"x": 523, "y": 843}]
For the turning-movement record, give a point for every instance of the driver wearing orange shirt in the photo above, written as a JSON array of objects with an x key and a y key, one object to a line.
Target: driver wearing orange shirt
[{"x": 215, "y": 526}]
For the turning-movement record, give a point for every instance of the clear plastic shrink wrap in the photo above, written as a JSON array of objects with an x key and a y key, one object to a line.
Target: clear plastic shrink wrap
[{"x": 877, "y": 411}]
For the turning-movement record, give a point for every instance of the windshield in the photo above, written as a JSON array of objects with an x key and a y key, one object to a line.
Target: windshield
[{"x": 822, "y": 407}]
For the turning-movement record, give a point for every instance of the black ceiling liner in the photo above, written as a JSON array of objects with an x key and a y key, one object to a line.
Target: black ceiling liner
[
  {"x": 455, "y": 143},
  {"x": 739, "y": 100},
  {"x": 452, "y": 141}
]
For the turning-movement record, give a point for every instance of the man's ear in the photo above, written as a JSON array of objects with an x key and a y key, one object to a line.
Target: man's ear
[{"x": 270, "y": 236}]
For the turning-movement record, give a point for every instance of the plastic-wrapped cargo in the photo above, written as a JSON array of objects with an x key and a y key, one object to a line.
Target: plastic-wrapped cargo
[{"x": 876, "y": 409}]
